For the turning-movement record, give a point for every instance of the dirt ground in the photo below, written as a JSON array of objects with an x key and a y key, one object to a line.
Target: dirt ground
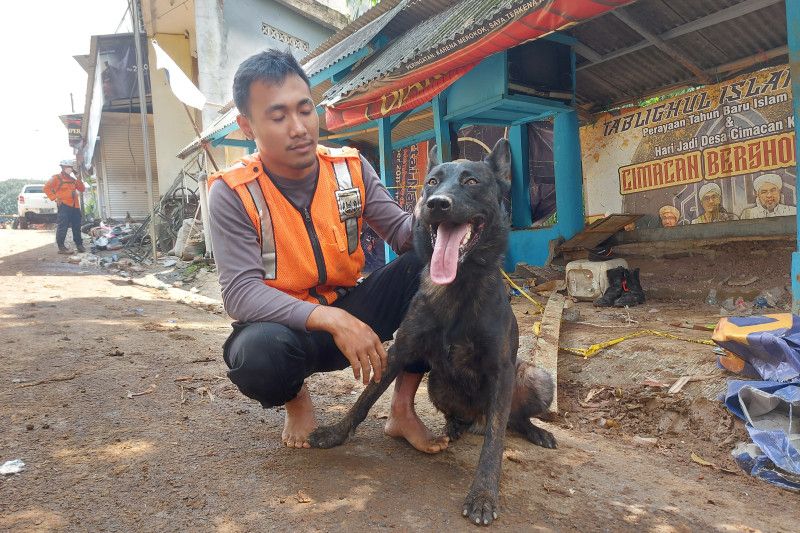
[{"x": 115, "y": 397}]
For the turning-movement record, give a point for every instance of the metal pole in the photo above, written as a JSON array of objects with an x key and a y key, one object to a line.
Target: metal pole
[
  {"x": 202, "y": 181},
  {"x": 148, "y": 172},
  {"x": 387, "y": 175},
  {"x": 793, "y": 42},
  {"x": 202, "y": 184}
]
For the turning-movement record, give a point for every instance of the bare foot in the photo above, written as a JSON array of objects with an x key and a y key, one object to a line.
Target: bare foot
[
  {"x": 300, "y": 420},
  {"x": 408, "y": 426}
]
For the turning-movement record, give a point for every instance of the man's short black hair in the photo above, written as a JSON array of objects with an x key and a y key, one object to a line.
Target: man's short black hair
[{"x": 271, "y": 66}]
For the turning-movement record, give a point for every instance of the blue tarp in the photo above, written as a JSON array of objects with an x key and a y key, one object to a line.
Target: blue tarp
[
  {"x": 751, "y": 460},
  {"x": 770, "y": 343},
  {"x": 771, "y": 411}
]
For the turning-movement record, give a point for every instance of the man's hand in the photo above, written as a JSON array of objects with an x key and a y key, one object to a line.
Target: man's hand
[{"x": 356, "y": 340}]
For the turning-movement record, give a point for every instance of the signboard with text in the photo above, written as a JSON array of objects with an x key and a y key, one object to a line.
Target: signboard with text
[{"x": 721, "y": 153}]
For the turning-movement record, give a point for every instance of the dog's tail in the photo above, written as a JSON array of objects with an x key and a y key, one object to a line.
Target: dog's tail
[{"x": 533, "y": 391}]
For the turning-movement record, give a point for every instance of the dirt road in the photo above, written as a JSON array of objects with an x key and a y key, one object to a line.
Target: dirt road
[{"x": 117, "y": 401}]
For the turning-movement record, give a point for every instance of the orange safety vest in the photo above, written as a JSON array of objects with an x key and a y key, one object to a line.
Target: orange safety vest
[
  {"x": 310, "y": 253},
  {"x": 62, "y": 188}
]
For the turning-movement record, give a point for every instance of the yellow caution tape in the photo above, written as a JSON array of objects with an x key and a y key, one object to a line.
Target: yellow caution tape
[
  {"x": 595, "y": 348},
  {"x": 522, "y": 291}
]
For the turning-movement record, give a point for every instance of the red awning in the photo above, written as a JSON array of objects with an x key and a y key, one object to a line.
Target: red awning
[{"x": 418, "y": 79}]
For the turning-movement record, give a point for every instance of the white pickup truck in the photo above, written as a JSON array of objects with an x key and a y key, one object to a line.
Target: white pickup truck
[{"x": 34, "y": 207}]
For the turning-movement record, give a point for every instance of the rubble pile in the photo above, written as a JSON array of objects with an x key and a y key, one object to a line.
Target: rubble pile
[{"x": 111, "y": 237}]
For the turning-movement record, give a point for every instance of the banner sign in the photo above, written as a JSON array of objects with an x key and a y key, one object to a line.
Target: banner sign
[
  {"x": 410, "y": 168},
  {"x": 724, "y": 152},
  {"x": 73, "y": 124},
  {"x": 117, "y": 64},
  {"x": 397, "y": 101},
  {"x": 507, "y": 27}
]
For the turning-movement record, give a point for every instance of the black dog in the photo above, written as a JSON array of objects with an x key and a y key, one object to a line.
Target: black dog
[{"x": 462, "y": 324}]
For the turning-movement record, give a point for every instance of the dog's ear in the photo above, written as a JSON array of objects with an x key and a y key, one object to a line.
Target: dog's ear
[
  {"x": 433, "y": 158},
  {"x": 500, "y": 160}
]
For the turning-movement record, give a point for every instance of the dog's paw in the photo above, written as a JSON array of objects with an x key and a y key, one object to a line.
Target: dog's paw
[
  {"x": 328, "y": 436},
  {"x": 541, "y": 437},
  {"x": 538, "y": 436},
  {"x": 454, "y": 429},
  {"x": 480, "y": 506}
]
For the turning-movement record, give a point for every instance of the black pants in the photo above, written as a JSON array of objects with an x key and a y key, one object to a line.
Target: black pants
[
  {"x": 68, "y": 217},
  {"x": 269, "y": 361}
]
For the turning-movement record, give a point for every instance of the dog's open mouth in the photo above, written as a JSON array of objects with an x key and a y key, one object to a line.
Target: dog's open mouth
[{"x": 451, "y": 244}]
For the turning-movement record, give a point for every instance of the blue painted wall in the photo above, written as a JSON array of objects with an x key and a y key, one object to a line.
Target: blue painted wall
[{"x": 793, "y": 38}]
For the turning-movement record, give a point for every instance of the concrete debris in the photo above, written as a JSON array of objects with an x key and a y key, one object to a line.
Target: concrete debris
[{"x": 189, "y": 243}]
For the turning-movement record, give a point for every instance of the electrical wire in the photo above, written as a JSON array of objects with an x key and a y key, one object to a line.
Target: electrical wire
[
  {"x": 124, "y": 16},
  {"x": 173, "y": 8}
]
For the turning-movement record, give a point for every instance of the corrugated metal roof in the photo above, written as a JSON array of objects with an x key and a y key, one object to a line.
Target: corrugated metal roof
[
  {"x": 648, "y": 70},
  {"x": 410, "y": 126},
  {"x": 416, "y": 11},
  {"x": 358, "y": 40},
  {"x": 424, "y": 25},
  {"x": 763, "y": 30},
  {"x": 372, "y": 14},
  {"x": 435, "y": 31},
  {"x": 413, "y": 12},
  {"x": 640, "y": 72},
  {"x": 223, "y": 121},
  {"x": 389, "y": 18}
]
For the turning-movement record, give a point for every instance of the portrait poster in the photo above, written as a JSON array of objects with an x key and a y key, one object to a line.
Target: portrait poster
[{"x": 721, "y": 153}]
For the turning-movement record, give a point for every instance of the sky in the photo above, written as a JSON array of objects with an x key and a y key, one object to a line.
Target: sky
[{"x": 38, "y": 39}]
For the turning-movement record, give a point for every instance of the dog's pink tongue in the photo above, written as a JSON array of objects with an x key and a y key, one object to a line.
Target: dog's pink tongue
[{"x": 444, "y": 262}]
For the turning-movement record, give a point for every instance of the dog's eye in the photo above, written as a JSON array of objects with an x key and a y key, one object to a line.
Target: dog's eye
[
  {"x": 432, "y": 181},
  {"x": 470, "y": 181}
]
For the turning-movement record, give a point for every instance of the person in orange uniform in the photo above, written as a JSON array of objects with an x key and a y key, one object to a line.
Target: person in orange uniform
[
  {"x": 286, "y": 224},
  {"x": 63, "y": 189}
]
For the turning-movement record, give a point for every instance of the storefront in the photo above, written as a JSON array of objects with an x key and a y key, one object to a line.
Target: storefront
[{"x": 407, "y": 75}]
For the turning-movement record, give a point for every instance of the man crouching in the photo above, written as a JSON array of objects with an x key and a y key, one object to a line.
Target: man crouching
[{"x": 286, "y": 224}]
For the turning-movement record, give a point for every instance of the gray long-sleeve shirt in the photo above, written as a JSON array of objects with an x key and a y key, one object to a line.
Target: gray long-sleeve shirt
[{"x": 238, "y": 254}]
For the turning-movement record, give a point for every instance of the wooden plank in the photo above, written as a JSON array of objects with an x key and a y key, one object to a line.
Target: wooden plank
[
  {"x": 545, "y": 351},
  {"x": 598, "y": 231}
]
